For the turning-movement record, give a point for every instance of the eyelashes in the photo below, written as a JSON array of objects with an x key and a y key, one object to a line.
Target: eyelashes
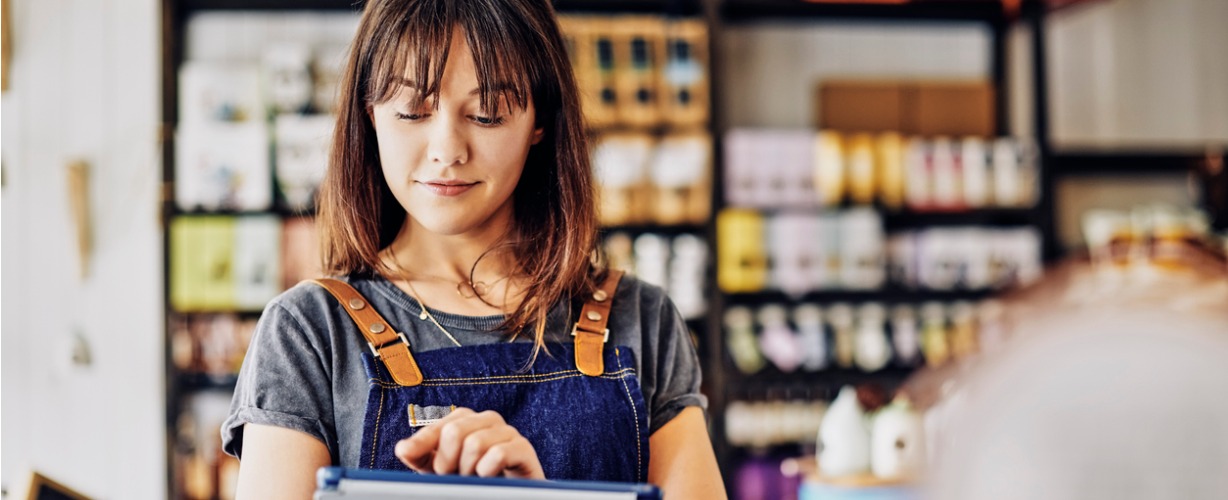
[{"x": 483, "y": 121}]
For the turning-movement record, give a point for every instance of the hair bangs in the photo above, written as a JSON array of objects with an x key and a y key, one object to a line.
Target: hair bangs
[
  {"x": 420, "y": 45},
  {"x": 422, "y": 37}
]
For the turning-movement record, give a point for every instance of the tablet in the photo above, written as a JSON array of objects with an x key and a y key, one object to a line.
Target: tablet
[{"x": 339, "y": 483}]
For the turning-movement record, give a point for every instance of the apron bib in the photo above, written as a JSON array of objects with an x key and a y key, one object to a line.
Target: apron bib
[{"x": 580, "y": 405}]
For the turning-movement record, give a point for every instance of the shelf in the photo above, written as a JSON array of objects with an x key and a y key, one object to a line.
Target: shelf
[
  {"x": 671, "y": 230},
  {"x": 203, "y": 382},
  {"x": 670, "y": 7},
  {"x": 738, "y": 11},
  {"x": 889, "y": 294},
  {"x": 821, "y": 384},
  {"x": 678, "y": 7},
  {"x": 892, "y": 220},
  {"x": 1125, "y": 163},
  {"x": 270, "y": 5},
  {"x": 994, "y": 217}
]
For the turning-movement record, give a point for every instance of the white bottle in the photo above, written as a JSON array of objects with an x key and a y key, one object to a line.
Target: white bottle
[
  {"x": 975, "y": 161},
  {"x": 946, "y": 175},
  {"x": 904, "y": 335},
  {"x": 873, "y": 352},
  {"x": 844, "y": 440},
  {"x": 809, "y": 321},
  {"x": 1006, "y": 175},
  {"x": 897, "y": 441},
  {"x": 777, "y": 341}
]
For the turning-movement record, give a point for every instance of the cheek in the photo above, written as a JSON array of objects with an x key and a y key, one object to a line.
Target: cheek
[
  {"x": 508, "y": 157},
  {"x": 396, "y": 151}
]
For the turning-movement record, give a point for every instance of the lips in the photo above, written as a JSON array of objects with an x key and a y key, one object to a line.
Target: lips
[{"x": 447, "y": 187}]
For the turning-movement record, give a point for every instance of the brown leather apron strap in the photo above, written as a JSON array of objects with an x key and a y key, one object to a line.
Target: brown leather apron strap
[
  {"x": 386, "y": 344},
  {"x": 590, "y": 332}
]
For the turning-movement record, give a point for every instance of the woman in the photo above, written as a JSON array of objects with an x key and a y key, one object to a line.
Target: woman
[{"x": 459, "y": 176}]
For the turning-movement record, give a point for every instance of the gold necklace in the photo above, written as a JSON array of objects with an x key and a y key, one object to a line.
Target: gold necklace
[
  {"x": 426, "y": 315},
  {"x": 478, "y": 288}
]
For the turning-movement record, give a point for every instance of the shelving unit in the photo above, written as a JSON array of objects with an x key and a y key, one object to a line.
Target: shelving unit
[
  {"x": 825, "y": 383},
  {"x": 1128, "y": 163}
]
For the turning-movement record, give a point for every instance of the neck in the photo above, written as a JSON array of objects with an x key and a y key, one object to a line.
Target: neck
[{"x": 427, "y": 256}]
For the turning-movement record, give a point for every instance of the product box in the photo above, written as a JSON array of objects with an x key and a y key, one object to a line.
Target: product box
[
  {"x": 223, "y": 166},
  {"x": 684, "y": 79},
  {"x": 301, "y": 150},
  {"x": 639, "y": 54},
  {"x": 591, "y": 49},
  {"x": 927, "y": 108},
  {"x": 219, "y": 92},
  {"x": 680, "y": 173},
  {"x": 621, "y": 162},
  {"x": 202, "y": 252},
  {"x": 742, "y": 260},
  {"x": 224, "y": 263},
  {"x": 861, "y": 106},
  {"x": 949, "y": 108}
]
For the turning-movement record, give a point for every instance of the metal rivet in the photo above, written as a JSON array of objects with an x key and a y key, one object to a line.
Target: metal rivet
[
  {"x": 376, "y": 328},
  {"x": 594, "y": 316},
  {"x": 357, "y": 304},
  {"x": 600, "y": 296}
]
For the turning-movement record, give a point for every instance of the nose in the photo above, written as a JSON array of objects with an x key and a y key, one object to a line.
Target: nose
[{"x": 448, "y": 145}]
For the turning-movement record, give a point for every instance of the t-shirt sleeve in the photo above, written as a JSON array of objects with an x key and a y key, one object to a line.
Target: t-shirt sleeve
[
  {"x": 284, "y": 382},
  {"x": 677, "y": 370}
]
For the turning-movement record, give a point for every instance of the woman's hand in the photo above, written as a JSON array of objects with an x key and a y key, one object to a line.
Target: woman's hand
[{"x": 468, "y": 444}]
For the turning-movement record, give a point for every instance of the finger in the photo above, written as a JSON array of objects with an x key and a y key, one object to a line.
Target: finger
[
  {"x": 416, "y": 454},
  {"x": 418, "y": 450},
  {"x": 476, "y": 444},
  {"x": 452, "y": 436},
  {"x": 515, "y": 458}
]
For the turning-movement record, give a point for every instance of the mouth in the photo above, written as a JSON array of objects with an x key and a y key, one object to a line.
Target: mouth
[{"x": 447, "y": 187}]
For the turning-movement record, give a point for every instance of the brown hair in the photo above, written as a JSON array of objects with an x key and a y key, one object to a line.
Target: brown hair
[{"x": 519, "y": 54}]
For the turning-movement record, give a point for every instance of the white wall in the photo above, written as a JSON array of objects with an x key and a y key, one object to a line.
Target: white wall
[
  {"x": 1139, "y": 73},
  {"x": 84, "y": 84}
]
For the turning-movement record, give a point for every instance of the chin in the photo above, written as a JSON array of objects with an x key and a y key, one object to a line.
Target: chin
[{"x": 448, "y": 228}]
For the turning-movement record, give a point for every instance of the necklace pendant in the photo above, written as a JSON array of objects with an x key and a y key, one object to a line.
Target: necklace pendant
[
  {"x": 466, "y": 291},
  {"x": 422, "y": 316}
]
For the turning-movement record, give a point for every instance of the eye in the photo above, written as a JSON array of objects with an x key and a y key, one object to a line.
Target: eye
[
  {"x": 487, "y": 121},
  {"x": 410, "y": 117}
]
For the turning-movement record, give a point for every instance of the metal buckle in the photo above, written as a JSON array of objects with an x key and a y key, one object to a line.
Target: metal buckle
[
  {"x": 375, "y": 350},
  {"x": 576, "y": 328}
]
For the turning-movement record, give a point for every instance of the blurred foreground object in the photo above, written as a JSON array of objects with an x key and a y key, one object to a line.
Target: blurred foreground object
[{"x": 1111, "y": 384}]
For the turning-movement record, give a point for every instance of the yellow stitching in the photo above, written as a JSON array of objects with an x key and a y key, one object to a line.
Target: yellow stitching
[
  {"x": 446, "y": 382},
  {"x": 507, "y": 379},
  {"x": 388, "y": 385},
  {"x": 462, "y": 379},
  {"x": 413, "y": 419},
  {"x": 639, "y": 454},
  {"x": 375, "y": 433}
]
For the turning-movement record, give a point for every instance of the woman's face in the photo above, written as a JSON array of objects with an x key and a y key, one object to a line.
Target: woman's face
[{"x": 453, "y": 168}]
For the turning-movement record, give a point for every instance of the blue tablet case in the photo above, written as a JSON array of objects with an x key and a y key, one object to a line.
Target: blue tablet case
[{"x": 339, "y": 483}]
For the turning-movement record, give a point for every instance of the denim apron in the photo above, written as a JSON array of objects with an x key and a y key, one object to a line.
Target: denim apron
[{"x": 580, "y": 405}]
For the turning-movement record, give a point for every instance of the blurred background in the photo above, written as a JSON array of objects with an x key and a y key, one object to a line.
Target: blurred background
[{"x": 870, "y": 213}]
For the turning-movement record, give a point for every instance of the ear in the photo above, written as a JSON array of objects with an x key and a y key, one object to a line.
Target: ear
[{"x": 537, "y": 135}]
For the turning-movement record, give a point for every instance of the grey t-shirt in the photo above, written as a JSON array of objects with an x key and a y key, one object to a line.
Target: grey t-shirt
[{"x": 303, "y": 369}]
